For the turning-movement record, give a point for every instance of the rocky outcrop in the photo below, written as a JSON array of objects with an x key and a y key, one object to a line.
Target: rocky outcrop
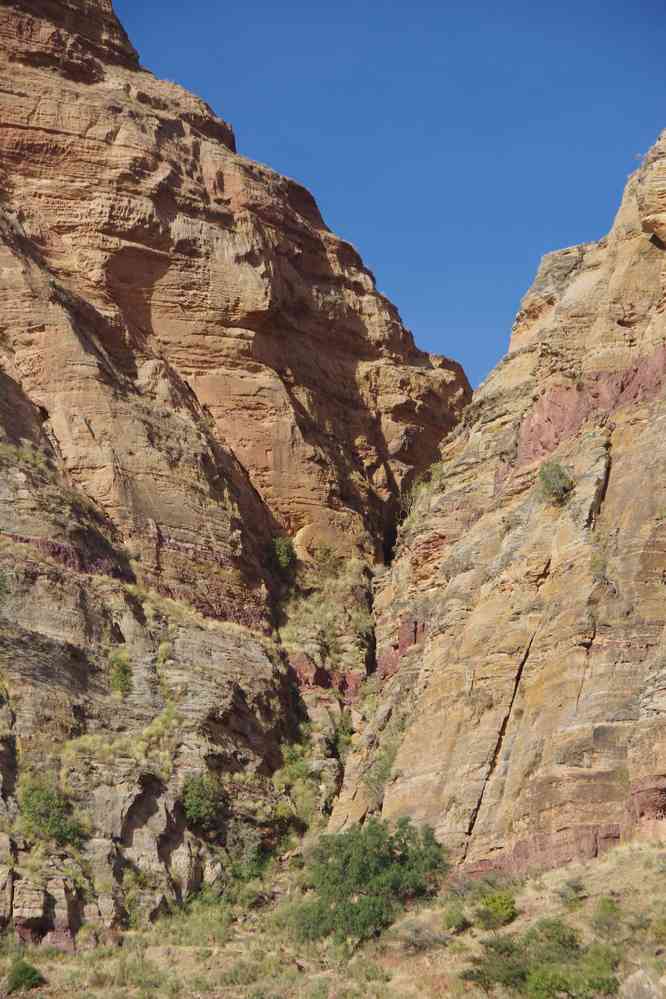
[
  {"x": 520, "y": 630},
  {"x": 191, "y": 363}
]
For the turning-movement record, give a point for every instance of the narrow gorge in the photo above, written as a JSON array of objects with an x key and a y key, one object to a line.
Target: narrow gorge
[{"x": 244, "y": 517}]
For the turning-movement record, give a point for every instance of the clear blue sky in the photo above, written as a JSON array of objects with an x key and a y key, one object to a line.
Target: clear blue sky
[{"x": 452, "y": 143}]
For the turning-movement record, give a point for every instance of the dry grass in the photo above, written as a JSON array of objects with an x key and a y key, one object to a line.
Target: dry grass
[{"x": 247, "y": 954}]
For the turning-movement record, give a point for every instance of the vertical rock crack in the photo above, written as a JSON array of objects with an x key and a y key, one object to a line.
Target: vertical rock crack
[{"x": 500, "y": 741}]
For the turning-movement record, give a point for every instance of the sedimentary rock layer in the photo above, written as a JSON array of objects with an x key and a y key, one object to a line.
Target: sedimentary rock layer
[
  {"x": 190, "y": 364},
  {"x": 182, "y": 256},
  {"x": 521, "y": 641}
]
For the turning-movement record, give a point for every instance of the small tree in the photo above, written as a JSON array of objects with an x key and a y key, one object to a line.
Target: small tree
[
  {"x": 363, "y": 876},
  {"x": 555, "y": 483},
  {"x": 121, "y": 672},
  {"x": 547, "y": 962}
]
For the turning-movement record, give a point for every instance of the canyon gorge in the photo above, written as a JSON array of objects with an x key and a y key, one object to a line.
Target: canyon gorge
[{"x": 236, "y": 500}]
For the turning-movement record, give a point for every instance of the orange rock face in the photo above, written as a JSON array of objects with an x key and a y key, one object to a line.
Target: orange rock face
[
  {"x": 190, "y": 364},
  {"x": 196, "y": 273},
  {"x": 521, "y": 631}
]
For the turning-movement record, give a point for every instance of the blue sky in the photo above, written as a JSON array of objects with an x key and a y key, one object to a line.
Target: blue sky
[{"x": 452, "y": 143}]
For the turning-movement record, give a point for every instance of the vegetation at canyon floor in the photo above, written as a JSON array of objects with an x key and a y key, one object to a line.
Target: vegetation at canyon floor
[{"x": 590, "y": 929}]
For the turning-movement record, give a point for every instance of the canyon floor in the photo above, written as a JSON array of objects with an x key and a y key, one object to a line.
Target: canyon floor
[{"x": 617, "y": 903}]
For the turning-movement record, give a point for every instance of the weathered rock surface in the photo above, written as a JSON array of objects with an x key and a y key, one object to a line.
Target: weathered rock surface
[
  {"x": 193, "y": 271},
  {"x": 520, "y": 641},
  {"x": 190, "y": 363}
]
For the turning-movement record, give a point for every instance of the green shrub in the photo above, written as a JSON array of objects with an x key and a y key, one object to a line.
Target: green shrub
[
  {"x": 546, "y": 962},
  {"x": 454, "y": 919},
  {"x": 344, "y": 731},
  {"x": 246, "y": 853},
  {"x": 496, "y": 909},
  {"x": 363, "y": 875},
  {"x": 295, "y": 778},
  {"x": 607, "y": 917},
  {"x": 502, "y": 962},
  {"x": 203, "y": 801},
  {"x": 121, "y": 672},
  {"x": 23, "y": 976},
  {"x": 545, "y": 982},
  {"x": 282, "y": 555},
  {"x": 46, "y": 813},
  {"x": 572, "y": 893},
  {"x": 555, "y": 483},
  {"x": 4, "y": 587},
  {"x": 594, "y": 974}
]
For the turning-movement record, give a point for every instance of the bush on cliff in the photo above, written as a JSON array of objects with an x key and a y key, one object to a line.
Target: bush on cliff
[
  {"x": 363, "y": 876},
  {"x": 282, "y": 556},
  {"x": 121, "y": 672},
  {"x": 555, "y": 483},
  {"x": 46, "y": 813},
  {"x": 203, "y": 800},
  {"x": 297, "y": 780}
]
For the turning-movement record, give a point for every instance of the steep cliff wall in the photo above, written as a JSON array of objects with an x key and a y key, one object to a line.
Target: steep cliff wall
[
  {"x": 191, "y": 256},
  {"x": 521, "y": 642},
  {"x": 190, "y": 364}
]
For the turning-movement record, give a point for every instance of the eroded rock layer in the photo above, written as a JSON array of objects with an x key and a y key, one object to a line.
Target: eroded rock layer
[
  {"x": 521, "y": 643},
  {"x": 191, "y": 363}
]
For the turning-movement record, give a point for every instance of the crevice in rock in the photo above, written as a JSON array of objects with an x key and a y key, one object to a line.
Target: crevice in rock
[
  {"x": 587, "y": 645},
  {"x": 600, "y": 494},
  {"x": 8, "y": 749},
  {"x": 170, "y": 840},
  {"x": 498, "y": 746},
  {"x": 389, "y": 541}
]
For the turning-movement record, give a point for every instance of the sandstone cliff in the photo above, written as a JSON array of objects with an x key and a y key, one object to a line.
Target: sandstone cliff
[
  {"x": 191, "y": 363},
  {"x": 520, "y": 630}
]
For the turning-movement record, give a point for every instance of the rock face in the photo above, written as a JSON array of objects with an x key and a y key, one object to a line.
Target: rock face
[
  {"x": 190, "y": 364},
  {"x": 186, "y": 263},
  {"x": 520, "y": 630}
]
